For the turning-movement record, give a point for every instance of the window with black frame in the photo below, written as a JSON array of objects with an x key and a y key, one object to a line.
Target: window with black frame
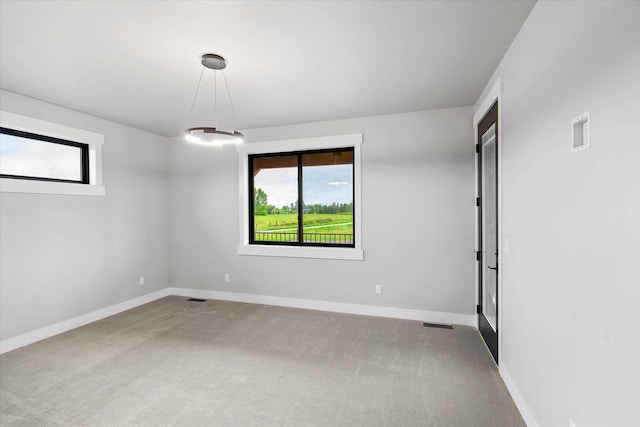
[
  {"x": 302, "y": 198},
  {"x": 29, "y": 156}
]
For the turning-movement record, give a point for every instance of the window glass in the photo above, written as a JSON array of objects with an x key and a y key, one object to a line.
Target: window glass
[
  {"x": 30, "y": 156},
  {"x": 328, "y": 197},
  {"x": 303, "y": 198},
  {"x": 275, "y": 199}
]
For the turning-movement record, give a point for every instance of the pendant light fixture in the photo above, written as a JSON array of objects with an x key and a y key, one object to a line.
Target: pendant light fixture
[{"x": 212, "y": 135}]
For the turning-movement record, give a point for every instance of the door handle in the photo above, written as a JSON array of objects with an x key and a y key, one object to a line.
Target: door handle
[{"x": 492, "y": 268}]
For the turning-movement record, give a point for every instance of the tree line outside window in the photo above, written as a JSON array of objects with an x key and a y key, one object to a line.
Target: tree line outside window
[{"x": 262, "y": 206}]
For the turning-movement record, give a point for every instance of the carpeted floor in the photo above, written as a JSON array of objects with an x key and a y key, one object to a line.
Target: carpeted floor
[{"x": 218, "y": 363}]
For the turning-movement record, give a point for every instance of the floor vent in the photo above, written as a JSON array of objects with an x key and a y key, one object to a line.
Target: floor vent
[
  {"x": 196, "y": 300},
  {"x": 436, "y": 325}
]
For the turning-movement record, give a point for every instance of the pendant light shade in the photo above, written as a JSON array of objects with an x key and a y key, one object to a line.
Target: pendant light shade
[{"x": 212, "y": 135}]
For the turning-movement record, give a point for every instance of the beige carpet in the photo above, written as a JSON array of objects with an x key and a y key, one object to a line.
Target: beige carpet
[{"x": 217, "y": 363}]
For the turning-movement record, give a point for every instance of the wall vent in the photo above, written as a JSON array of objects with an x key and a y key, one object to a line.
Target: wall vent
[
  {"x": 196, "y": 300},
  {"x": 436, "y": 325}
]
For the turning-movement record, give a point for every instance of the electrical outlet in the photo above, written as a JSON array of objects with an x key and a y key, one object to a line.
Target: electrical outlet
[
  {"x": 378, "y": 289},
  {"x": 227, "y": 277},
  {"x": 141, "y": 280}
]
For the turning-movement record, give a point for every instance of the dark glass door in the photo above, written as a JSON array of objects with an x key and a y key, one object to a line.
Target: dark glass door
[{"x": 488, "y": 229}]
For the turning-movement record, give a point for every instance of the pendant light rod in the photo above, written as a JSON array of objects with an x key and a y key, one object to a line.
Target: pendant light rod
[
  {"x": 235, "y": 116},
  {"x": 195, "y": 96},
  {"x": 215, "y": 100}
]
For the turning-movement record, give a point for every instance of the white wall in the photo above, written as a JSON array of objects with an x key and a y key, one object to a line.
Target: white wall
[
  {"x": 571, "y": 296},
  {"x": 417, "y": 225},
  {"x": 64, "y": 256}
]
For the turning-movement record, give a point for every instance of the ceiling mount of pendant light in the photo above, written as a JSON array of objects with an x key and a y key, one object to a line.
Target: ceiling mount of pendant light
[{"x": 212, "y": 135}]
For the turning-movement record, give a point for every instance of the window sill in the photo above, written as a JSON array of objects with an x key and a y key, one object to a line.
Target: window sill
[
  {"x": 8, "y": 185},
  {"x": 350, "y": 254}
]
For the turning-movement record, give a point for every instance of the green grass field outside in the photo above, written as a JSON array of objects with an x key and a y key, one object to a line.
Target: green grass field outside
[{"x": 321, "y": 222}]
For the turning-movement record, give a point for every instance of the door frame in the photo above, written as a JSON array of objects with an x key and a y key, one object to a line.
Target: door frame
[{"x": 494, "y": 95}]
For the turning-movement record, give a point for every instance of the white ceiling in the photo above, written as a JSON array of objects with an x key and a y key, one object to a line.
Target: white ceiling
[{"x": 137, "y": 62}]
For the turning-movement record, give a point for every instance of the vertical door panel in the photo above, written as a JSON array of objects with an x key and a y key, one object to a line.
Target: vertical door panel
[{"x": 488, "y": 229}]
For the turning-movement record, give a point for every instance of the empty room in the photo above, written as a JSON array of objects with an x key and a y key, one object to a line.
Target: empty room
[{"x": 320, "y": 213}]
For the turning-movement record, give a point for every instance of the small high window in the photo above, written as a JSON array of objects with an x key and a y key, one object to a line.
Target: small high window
[
  {"x": 25, "y": 155},
  {"x": 41, "y": 157}
]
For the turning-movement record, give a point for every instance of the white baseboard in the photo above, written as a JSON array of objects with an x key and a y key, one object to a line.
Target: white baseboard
[
  {"x": 521, "y": 404},
  {"x": 338, "y": 307},
  {"x": 66, "y": 325}
]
